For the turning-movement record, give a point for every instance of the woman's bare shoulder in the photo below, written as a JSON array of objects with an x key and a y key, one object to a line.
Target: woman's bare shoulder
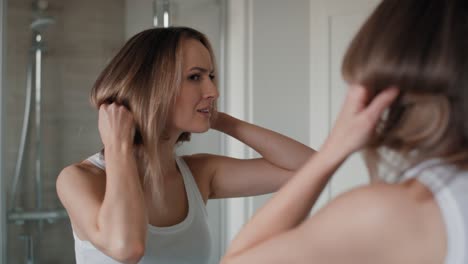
[
  {"x": 82, "y": 169},
  {"x": 202, "y": 169},
  {"x": 381, "y": 203},
  {"x": 383, "y": 219},
  {"x": 83, "y": 176},
  {"x": 201, "y": 165}
]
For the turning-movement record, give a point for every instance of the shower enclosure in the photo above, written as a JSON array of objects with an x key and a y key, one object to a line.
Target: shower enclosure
[
  {"x": 53, "y": 52},
  {"x": 31, "y": 131}
]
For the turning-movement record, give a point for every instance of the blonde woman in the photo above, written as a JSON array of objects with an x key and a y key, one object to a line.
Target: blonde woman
[
  {"x": 421, "y": 142},
  {"x": 135, "y": 201}
]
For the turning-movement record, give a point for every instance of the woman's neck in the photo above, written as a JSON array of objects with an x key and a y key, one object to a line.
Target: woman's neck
[{"x": 167, "y": 154}]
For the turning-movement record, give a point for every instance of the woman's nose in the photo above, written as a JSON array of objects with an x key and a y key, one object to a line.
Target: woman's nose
[{"x": 211, "y": 91}]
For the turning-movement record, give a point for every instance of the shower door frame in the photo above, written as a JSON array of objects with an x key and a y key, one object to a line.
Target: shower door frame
[{"x": 3, "y": 218}]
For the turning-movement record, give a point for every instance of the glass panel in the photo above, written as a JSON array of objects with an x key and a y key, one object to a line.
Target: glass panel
[{"x": 55, "y": 50}]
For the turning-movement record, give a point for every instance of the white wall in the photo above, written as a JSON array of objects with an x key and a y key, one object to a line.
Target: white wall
[
  {"x": 268, "y": 67},
  {"x": 280, "y": 69},
  {"x": 268, "y": 74}
]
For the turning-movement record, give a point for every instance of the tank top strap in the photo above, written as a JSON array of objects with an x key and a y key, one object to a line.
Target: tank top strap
[
  {"x": 435, "y": 173},
  {"x": 191, "y": 184},
  {"x": 98, "y": 160}
]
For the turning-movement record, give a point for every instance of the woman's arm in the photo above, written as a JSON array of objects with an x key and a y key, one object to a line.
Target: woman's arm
[
  {"x": 230, "y": 177},
  {"x": 293, "y": 202},
  {"x": 109, "y": 210},
  {"x": 281, "y": 151},
  {"x": 290, "y": 205}
]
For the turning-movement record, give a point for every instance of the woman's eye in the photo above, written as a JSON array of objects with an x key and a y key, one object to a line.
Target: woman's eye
[
  {"x": 195, "y": 77},
  {"x": 212, "y": 76}
]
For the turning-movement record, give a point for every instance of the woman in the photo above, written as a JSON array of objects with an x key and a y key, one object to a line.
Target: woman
[
  {"x": 416, "y": 134},
  {"x": 136, "y": 201}
]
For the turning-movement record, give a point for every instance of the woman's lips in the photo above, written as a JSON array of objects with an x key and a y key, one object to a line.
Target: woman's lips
[{"x": 204, "y": 112}]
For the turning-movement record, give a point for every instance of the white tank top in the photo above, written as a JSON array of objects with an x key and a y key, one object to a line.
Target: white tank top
[
  {"x": 184, "y": 243},
  {"x": 449, "y": 184}
]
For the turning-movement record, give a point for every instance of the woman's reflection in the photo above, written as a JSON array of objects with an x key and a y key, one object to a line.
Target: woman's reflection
[{"x": 136, "y": 201}]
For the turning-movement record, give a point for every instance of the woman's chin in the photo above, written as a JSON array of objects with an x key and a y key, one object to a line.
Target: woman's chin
[
  {"x": 198, "y": 130},
  {"x": 202, "y": 130}
]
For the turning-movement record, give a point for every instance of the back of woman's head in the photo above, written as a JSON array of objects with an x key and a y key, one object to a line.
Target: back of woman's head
[
  {"x": 421, "y": 47},
  {"x": 145, "y": 76}
]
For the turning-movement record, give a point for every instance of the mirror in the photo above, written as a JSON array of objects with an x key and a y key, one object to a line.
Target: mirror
[
  {"x": 55, "y": 50},
  {"x": 281, "y": 63}
]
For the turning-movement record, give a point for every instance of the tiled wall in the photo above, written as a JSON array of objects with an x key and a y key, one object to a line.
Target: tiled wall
[{"x": 85, "y": 36}]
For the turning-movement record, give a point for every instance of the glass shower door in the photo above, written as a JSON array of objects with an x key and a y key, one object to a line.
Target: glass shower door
[{"x": 54, "y": 51}]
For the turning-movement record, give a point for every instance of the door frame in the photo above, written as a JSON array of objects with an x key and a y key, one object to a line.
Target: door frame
[
  {"x": 3, "y": 212},
  {"x": 237, "y": 101}
]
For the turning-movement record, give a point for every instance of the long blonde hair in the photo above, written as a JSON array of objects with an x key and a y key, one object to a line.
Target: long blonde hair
[
  {"x": 421, "y": 47},
  {"x": 145, "y": 76}
]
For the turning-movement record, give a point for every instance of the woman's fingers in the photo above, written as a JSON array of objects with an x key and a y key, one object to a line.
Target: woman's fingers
[
  {"x": 358, "y": 118},
  {"x": 116, "y": 124},
  {"x": 380, "y": 102},
  {"x": 357, "y": 99}
]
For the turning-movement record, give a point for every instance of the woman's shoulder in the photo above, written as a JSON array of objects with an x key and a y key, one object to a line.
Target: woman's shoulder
[
  {"x": 81, "y": 175},
  {"x": 374, "y": 200},
  {"x": 387, "y": 201},
  {"x": 200, "y": 164},
  {"x": 202, "y": 168},
  {"x": 380, "y": 217},
  {"x": 84, "y": 168}
]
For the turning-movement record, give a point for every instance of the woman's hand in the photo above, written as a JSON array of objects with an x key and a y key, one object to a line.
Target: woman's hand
[
  {"x": 220, "y": 121},
  {"x": 116, "y": 125},
  {"x": 357, "y": 119}
]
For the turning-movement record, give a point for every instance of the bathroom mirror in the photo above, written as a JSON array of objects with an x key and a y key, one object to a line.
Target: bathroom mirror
[
  {"x": 54, "y": 51},
  {"x": 279, "y": 67}
]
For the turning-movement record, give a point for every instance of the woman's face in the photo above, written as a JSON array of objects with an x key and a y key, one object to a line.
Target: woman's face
[{"x": 194, "y": 105}]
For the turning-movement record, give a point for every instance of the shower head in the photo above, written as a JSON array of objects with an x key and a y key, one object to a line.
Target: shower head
[
  {"x": 41, "y": 20},
  {"x": 41, "y": 23}
]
